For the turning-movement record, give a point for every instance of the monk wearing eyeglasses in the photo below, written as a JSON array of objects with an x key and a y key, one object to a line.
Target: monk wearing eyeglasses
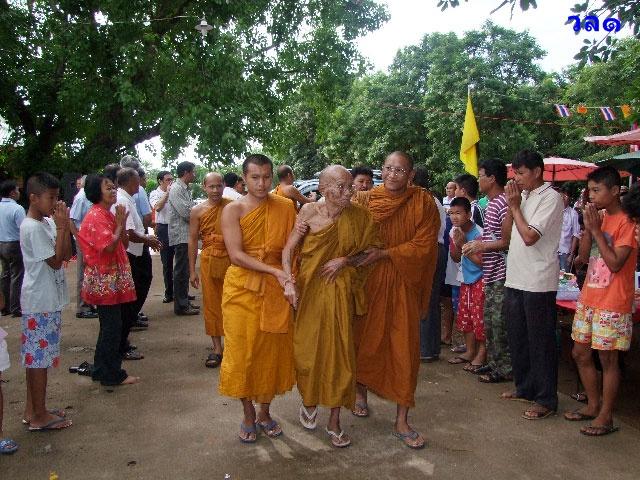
[
  {"x": 328, "y": 292},
  {"x": 388, "y": 336}
]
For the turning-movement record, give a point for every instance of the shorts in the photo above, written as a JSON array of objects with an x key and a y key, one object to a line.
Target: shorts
[
  {"x": 4, "y": 356},
  {"x": 601, "y": 329},
  {"x": 41, "y": 339},
  {"x": 471, "y": 309}
]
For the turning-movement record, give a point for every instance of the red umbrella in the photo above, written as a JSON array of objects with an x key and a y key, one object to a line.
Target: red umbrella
[
  {"x": 632, "y": 137},
  {"x": 558, "y": 169}
]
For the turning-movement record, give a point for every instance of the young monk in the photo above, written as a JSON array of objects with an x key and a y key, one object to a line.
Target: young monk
[
  {"x": 204, "y": 224},
  {"x": 331, "y": 292},
  {"x": 257, "y": 318},
  {"x": 388, "y": 337}
]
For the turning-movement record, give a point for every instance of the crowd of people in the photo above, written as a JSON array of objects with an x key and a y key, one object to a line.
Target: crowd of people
[{"x": 340, "y": 294}]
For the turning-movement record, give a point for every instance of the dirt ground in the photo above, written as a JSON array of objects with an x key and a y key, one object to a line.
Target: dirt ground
[{"x": 174, "y": 425}]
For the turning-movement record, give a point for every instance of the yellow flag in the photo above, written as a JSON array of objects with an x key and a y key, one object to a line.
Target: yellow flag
[{"x": 470, "y": 139}]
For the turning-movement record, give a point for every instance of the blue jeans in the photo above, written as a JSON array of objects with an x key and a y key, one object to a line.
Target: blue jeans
[{"x": 430, "y": 325}]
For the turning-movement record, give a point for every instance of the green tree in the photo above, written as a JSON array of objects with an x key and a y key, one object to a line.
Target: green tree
[
  {"x": 84, "y": 82},
  {"x": 594, "y": 50}
]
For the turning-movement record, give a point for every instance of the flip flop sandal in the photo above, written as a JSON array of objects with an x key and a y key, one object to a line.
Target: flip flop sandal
[
  {"x": 8, "y": 446},
  {"x": 213, "y": 360},
  {"x": 308, "y": 420},
  {"x": 484, "y": 368},
  {"x": 598, "y": 430},
  {"x": 537, "y": 414},
  {"x": 579, "y": 397},
  {"x": 471, "y": 368},
  {"x": 459, "y": 349},
  {"x": 58, "y": 412},
  {"x": 250, "y": 429},
  {"x": 364, "y": 410},
  {"x": 513, "y": 396},
  {"x": 577, "y": 416},
  {"x": 493, "y": 377},
  {"x": 271, "y": 429},
  {"x": 411, "y": 435},
  {"x": 340, "y": 440},
  {"x": 57, "y": 424},
  {"x": 457, "y": 360},
  {"x": 132, "y": 355}
]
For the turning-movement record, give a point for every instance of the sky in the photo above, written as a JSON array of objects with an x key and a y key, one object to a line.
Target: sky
[{"x": 410, "y": 20}]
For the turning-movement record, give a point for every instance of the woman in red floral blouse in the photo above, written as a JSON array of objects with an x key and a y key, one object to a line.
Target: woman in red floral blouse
[{"x": 107, "y": 276}]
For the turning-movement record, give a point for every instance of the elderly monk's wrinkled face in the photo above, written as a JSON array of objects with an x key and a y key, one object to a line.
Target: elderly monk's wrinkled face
[
  {"x": 396, "y": 173},
  {"x": 258, "y": 180},
  {"x": 213, "y": 186},
  {"x": 338, "y": 189}
]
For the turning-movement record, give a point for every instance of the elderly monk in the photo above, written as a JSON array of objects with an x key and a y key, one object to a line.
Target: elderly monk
[
  {"x": 287, "y": 189},
  {"x": 257, "y": 318},
  {"x": 204, "y": 224},
  {"x": 388, "y": 337},
  {"x": 331, "y": 292}
]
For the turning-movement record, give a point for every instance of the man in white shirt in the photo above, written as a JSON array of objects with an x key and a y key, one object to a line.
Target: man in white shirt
[
  {"x": 128, "y": 185},
  {"x": 531, "y": 285},
  {"x": 158, "y": 199},
  {"x": 233, "y": 186},
  {"x": 450, "y": 190},
  {"x": 570, "y": 233}
]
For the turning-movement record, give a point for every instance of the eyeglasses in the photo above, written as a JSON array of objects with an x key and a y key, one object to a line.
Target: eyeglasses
[{"x": 399, "y": 172}]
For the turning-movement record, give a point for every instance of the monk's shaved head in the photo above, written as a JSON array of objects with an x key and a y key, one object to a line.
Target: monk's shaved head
[
  {"x": 211, "y": 176},
  {"x": 403, "y": 155},
  {"x": 334, "y": 173}
]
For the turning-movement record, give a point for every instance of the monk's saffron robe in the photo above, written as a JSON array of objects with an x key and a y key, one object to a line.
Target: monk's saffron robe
[
  {"x": 214, "y": 262},
  {"x": 323, "y": 339},
  {"x": 258, "y": 320},
  {"x": 398, "y": 289}
]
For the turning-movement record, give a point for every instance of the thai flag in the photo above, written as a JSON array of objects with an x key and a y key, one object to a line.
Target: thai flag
[
  {"x": 607, "y": 113},
  {"x": 562, "y": 110}
]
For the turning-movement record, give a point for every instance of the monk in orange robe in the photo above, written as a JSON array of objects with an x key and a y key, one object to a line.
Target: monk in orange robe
[
  {"x": 331, "y": 292},
  {"x": 257, "y": 318},
  {"x": 388, "y": 337},
  {"x": 204, "y": 225},
  {"x": 287, "y": 189}
]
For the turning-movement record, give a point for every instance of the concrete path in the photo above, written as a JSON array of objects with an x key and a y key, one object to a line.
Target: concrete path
[{"x": 174, "y": 425}]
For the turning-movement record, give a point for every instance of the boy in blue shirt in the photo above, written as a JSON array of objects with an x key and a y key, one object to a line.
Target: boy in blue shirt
[{"x": 470, "y": 305}]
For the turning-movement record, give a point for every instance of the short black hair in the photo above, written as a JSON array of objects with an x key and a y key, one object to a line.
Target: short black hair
[
  {"x": 93, "y": 187},
  {"x": 607, "y": 175},
  {"x": 404, "y": 155},
  {"x": 421, "y": 178},
  {"x": 125, "y": 175},
  {"x": 461, "y": 202},
  {"x": 40, "y": 182},
  {"x": 256, "y": 159},
  {"x": 161, "y": 174},
  {"x": 230, "y": 179},
  {"x": 631, "y": 203},
  {"x": 184, "y": 167},
  {"x": 111, "y": 171},
  {"x": 528, "y": 159},
  {"x": 469, "y": 183},
  {"x": 141, "y": 172},
  {"x": 361, "y": 170},
  {"x": 284, "y": 171},
  {"x": 7, "y": 187},
  {"x": 496, "y": 168}
]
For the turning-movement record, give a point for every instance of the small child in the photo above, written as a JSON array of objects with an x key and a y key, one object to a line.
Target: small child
[
  {"x": 603, "y": 315},
  {"x": 7, "y": 446},
  {"x": 470, "y": 306},
  {"x": 46, "y": 245}
]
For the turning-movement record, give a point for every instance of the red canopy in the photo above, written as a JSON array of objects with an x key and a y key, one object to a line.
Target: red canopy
[
  {"x": 632, "y": 137},
  {"x": 557, "y": 169}
]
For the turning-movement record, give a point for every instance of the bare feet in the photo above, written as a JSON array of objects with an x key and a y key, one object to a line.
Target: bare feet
[{"x": 130, "y": 380}]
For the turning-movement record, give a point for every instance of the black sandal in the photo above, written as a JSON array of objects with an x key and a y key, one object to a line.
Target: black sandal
[
  {"x": 494, "y": 377},
  {"x": 213, "y": 360}
]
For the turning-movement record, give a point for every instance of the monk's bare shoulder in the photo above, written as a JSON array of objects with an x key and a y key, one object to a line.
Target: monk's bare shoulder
[
  {"x": 290, "y": 191},
  {"x": 307, "y": 212},
  {"x": 235, "y": 209},
  {"x": 199, "y": 209}
]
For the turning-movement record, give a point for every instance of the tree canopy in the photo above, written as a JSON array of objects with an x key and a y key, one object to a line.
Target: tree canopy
[{"x": 84, "y": 82}]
